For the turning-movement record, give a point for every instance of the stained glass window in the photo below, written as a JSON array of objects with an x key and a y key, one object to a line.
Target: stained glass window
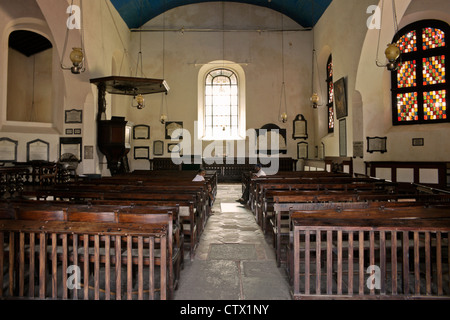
[
  {"x": 419, "y": 86},
  {"x": 435, "y": 105},
  {"x": 433, "y": 70},
  {"x": 408, "y": 42},
  {"x": 221, "y": 104},
  {"x": 406, "y": 74},
  {"x": 432, "y": 38},
  {"x": 407, "y": 109},
  {"x": 330, "y": 94}
]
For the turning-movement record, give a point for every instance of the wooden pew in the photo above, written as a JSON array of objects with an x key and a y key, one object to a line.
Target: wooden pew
[
  {"x": 280, "y": 220},
  {"x": 411, "y": 240},
  {"x": 193, "y": 211},
  {"x": 98, "y": 221}
]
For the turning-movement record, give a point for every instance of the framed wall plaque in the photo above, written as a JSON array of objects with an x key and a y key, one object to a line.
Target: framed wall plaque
[
  {"x": 70, "y": 145},
  {"x": 173, "y": 148},
  {"x": 302, "y": 150},
  {"x": 300, "y": 129},
  {"x": 89, "y": 152},
  {"x": 73, "y": 116},
  {"x": 38, "y": 150},
  {"x": 141, "y": 153},
  {"x": 8, "y": 149},
  {"x": 158, "y": 147},
  {"x": 342, "y": 138},
  {"x": 171, "y": 126},
  {"x": 264, "y": 137},
  {"x": 417, "y": 142},
  {"x": 376, "y": 144},
  {"x": 141, "y": 131}
]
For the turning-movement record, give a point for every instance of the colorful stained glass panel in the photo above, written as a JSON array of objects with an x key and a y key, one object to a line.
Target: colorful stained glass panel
[
  {"x": 408, "y": 42},
  {"x": 432, "y": 38},
  {"x": 407, "y": 109},
  {"x": 434, "y": 105},
  {"x": 330, "y": 118},
  {"x": 330, "y": 92},
  {"x": 433, "y": 70},
  {"x": 330, "y": 69},
  {"x": 406, "y": 74}
]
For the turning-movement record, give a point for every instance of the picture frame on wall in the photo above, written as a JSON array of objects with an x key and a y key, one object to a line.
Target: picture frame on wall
[
  {"x": 8, "y": 149},
  {"x": 142, "y": 153},
  {"x": 173, "y": 148},
  {"x": 158, "y": 147},
  {"x": 141, "y": 131},
  {"x": 302, "y": 150},
  {"x": 340, "y": 98},
  {"x": 300, "y": 128},
  {"x": 376, "y": 144},
  {"x": 38, "y": 150},
  {"x": 73, "y": 116},
  {"x": 342, "y": 138},
  {"x": 171, "y": 126},
  {"x": 71, "y": 145}
]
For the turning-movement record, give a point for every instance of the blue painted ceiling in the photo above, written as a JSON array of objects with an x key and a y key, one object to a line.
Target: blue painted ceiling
[{"x": 305, "y": 12}]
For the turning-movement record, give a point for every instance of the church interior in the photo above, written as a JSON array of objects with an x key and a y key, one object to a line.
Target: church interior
[{"x": 110, "y": 108}]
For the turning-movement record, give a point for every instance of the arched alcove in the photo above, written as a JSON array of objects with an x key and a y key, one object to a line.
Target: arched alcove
[{"x": 29, "y": 84}]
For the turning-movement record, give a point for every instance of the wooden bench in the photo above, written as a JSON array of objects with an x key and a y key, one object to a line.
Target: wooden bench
[
  {"x": 93, "y": 229},
  {"x": 412, "y": 241},
  {"x": 193, "y": 212},
  {"x": 280, "y": 220}
]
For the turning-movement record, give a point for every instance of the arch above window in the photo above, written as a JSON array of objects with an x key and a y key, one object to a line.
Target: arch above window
[
  {"x": 221, "y": 101},
  {"x": 419, "y": 86}
]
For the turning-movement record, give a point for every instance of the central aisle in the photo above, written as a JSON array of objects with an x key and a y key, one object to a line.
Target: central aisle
[{"x": 233, "y": 260}]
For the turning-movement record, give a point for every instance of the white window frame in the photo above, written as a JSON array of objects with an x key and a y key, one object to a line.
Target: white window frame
[{"x": 203, "y": 72}]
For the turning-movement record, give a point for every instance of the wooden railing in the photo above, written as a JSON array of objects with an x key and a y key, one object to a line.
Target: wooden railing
[
  {"x": 361, "y": 258},
  {"x": 44, "y": 259}
]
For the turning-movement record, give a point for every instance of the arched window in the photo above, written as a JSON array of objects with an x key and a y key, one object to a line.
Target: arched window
[
  {"x": 330, "y": 93},
  {"x": 419, "y": 86},
  {"x": 221, "y": 103}
]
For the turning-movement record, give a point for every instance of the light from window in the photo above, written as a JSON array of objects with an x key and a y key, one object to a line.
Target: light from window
[{"x": 221, "y": 104}]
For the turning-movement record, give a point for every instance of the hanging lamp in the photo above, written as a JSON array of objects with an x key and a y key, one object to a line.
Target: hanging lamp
[
  {"x": 283, "y": 117},
  {"x": 76, "y": 55},
  {"x": 392, "y": 52}
]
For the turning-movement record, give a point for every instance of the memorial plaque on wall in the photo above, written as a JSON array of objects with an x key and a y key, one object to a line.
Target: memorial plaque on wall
[
  {"x": 74, "y": 116},
  {"x": 358, "y": 149},
  {"x": 141, "y": 131},
  {"x": 8, "y": 150},
  {"x": 37, "y": 150}
]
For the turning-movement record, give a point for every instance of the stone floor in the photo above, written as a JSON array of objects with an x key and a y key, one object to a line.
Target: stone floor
[{"x": 234, "y": 260}]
